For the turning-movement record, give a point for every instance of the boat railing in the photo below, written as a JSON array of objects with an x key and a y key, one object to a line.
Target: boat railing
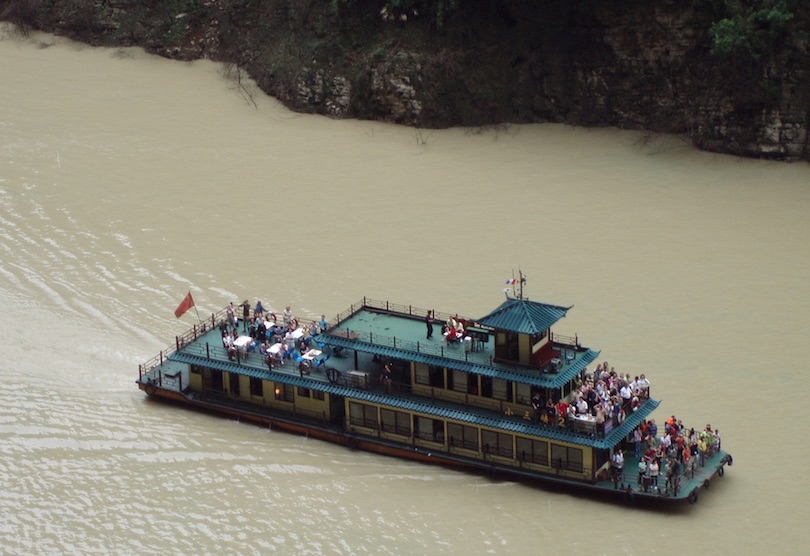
[
  {"x": 408, "y": 310},
  {"x": 340, "y": 317},
  {"x": 197, "y": 330},
  {"x": 449, "y": 351},
  {"x": 568, "y": 341}
]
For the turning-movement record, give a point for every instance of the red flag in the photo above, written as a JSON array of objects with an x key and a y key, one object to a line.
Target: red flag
[{"x": 184, "y": 306}]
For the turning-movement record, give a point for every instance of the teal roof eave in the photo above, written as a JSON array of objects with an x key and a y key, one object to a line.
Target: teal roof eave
[
  {"x": 568, "y": 373},
  {"x": 434, "y": 408}
]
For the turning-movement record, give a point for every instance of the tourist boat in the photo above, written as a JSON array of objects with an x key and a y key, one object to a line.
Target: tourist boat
[{"x": 372, "y": 380}]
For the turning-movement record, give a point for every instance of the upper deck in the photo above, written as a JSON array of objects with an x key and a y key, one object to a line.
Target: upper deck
[{"x": 399, "y": 331}]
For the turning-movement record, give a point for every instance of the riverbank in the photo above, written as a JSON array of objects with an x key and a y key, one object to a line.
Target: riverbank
[{"x": 653, "y": 66}]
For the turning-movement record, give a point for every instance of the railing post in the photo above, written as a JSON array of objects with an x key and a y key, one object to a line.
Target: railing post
[
  {"x": 140, "y": 372},
  {"x": 207, "y": 351},
  {"x": 195, "y": 331},
  {"x": 161, "y": 357},
  {"x": 177, "y": 342},
  {"x": 180, "y": 382},
  {"x": 395, "y": 342}
]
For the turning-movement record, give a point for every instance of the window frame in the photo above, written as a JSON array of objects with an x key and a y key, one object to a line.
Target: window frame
[
  {"x": 504, "y": 443},
  {"x": 401, "y": 422},
  {"x": 463, "y": 436},
  {"x": 367, "y": 416}
]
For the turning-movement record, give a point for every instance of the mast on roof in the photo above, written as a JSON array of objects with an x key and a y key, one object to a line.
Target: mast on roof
[{"x": 517, "y": 285}]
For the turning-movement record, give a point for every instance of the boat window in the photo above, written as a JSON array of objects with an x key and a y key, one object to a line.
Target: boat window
[
  {"x": 363, "y": 415},
  {"x": 256, "y": 386},
  {"x": 317, "y": 395},
  {"x": 429, "y": 429},
  {"x": 234, "y": 384},
  {"x": 437, "y": 376},
  {"x": 486, "y": 386},
  {"x": 500, "y": 389},
  {"x": 284, "y": 392},
  {"x": 216, "y": 381},
  {"x": 463, "y": 436},
  {"x": 472, "y": 384},
  {"x": 533, "y": 451},
  {"x": 523, "y": 394},
  {"x": 459, "y": 381},
  {"x": 395, "y": 421},
  {"x": 421, "y": 374},
  {"x": 303, "y": 392},
  {"x": 497, "y": 443},
  {"x": 566, "y": 457}
]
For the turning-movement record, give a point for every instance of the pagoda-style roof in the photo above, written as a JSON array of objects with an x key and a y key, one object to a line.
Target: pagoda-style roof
[{"x": 523, "y": 316}]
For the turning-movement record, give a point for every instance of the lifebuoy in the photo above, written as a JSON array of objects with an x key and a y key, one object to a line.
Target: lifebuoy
[
  {"x": 351, "y": 442},
  {"x": 275, "y": 318},
  {"x": 150, "y": 389},
  {"x": 707, "y": 484},
  {"x": 693, "y": 497},
  {"x": 721, "y": 471},
  {"x": 294, "y": 322},
  {"x": 730, "y": 460}
]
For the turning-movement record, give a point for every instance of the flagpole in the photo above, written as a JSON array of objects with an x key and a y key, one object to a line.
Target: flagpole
[{"x": 195, "y": 310}]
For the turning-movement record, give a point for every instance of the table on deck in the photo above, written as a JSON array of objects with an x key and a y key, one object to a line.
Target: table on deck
[
  {"x": 242, "y": 342},
  {"x": 585, "y": 423},
  {"x": 311, "y": 354}
]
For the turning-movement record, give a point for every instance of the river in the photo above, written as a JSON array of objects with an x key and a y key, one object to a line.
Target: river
[{"x": 127, "y": 180}]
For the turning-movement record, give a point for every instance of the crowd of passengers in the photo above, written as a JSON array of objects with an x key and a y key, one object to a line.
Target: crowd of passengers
[
  {"x": 275, "y": 341},
  {"x": 677, "y": 452},
  {"x": 604, "y": 396},
  {"x": 607, "y": 396}
]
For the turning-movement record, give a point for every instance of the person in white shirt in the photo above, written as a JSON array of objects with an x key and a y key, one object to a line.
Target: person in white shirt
[
  {"x": 618, "y": 466},
  {"x": 644, "y": 386}
]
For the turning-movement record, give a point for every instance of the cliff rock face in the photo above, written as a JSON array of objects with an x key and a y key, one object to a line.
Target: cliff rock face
[{"x": 638, "y": 64}]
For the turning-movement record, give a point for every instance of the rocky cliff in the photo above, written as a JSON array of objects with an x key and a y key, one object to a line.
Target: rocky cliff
[{"x": 659, "y": 65}]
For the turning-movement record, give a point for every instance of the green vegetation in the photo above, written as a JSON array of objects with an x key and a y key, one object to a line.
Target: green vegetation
[{"x": 755, "y": 30}]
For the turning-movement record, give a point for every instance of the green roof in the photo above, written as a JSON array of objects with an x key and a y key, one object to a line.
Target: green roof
[{"x": 523, "y": 316}]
